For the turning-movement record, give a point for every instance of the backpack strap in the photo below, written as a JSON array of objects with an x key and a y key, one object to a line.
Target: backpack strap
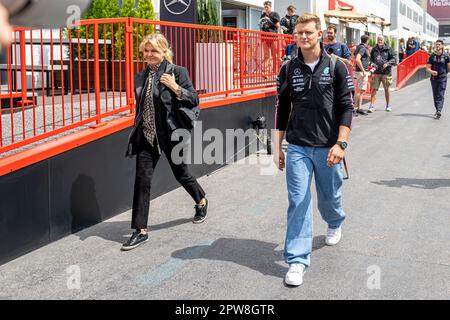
[
  {"x": 285, "y": 83},
  {"x": 343, "y": 48},
  {"x": 333, "y": 61}
]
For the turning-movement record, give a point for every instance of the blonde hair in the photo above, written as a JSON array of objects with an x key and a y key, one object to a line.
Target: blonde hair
[
  {"x": 309, "y": 17},
  {"x": 160, "y": 43}
]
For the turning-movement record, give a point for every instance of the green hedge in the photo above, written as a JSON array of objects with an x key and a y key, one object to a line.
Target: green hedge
[{"x": 110, "y": 9}]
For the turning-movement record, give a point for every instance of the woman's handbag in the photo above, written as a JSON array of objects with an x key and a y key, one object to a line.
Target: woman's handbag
[{"x": 186, "y": 116}]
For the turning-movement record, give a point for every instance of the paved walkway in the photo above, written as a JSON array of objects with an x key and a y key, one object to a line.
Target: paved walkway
[{"x": 395, "y": 238}]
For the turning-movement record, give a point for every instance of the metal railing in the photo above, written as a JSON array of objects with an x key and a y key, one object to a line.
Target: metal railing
[
  {"x": 409, "y": 66},
  {"x": 57, "y": 81}
]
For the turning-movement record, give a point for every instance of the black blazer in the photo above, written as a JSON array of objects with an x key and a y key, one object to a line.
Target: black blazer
[{"x": 163, "y": 97}]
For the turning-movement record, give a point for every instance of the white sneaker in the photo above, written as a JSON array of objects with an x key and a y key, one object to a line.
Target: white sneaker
[
  {"x": 388, "y": 109},
  {"x": 333, "y": 236},
  {"x": 294, "y": 277},
  {"x": 371, "y": 109}
]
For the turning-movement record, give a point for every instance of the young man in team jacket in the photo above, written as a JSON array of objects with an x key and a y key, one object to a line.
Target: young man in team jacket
[{"x": 314, "y": 108}]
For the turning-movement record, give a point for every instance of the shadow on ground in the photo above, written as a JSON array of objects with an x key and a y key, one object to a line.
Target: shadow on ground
[
  {"x": 119, "y": 231},
  {"x": 422, "y": 115},
  {"x": 254, "y": 254},
  {"x": 415, "y": 183}
]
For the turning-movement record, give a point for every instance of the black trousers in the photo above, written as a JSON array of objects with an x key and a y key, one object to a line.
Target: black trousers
[
  {"x": 146, "y": 161},
  {"x": 439, "y": 86}
]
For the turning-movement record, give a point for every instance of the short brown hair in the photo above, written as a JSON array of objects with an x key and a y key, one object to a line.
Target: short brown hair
[
  {"x": 267, "y": 3},
  {"x": 291, "y": 8},
  {"x": 309, "y": 17},
  {"x": 332, "y": 26}
]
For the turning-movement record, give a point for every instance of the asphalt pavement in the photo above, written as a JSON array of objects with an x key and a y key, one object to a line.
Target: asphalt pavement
[{"x": 395, "y": 245}]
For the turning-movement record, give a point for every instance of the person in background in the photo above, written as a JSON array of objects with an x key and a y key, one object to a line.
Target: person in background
[
  {"x": 401, "y": 50},
  {"x": 383, "y": 57},
  {"x": 291, "y": 50},
  {"x": 270, "y": 22},
  {"x": 288, "y": 21},
  {"x": 362, "y": 58},
  {"x": 438, "y": 66},
  {"x": 337, "y": 48},
  {"x": 411, "y": 46}
]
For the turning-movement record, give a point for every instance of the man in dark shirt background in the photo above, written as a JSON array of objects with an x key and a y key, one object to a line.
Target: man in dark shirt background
[
  {"x": 339, "y": 49},
  {"x": 438, "y": 66},
  {"x": 270, "y": 22},
  {"x": 289, "y": 20},
  {"x": 361, "y": 75}
]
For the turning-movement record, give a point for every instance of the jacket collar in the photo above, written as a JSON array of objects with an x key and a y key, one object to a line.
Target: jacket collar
[
  {"x": 384, "y": 47},
  {"x": 323, "y": 54}
]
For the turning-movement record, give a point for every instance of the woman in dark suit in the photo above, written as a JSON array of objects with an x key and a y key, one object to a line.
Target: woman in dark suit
[{"x": 159, "y": 89}]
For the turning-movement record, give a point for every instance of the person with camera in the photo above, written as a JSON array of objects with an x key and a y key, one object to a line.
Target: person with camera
[
  {"x": 438, "y": 66},
  {"x": 314, "y": 109},
  {"x": 270, "y": 22},
  {"x": 288, "y": 21},
  {"x": 159, "y": 90},
  {"x": 383, "y": 57},
  {"x": 335, "y": 47},
  {"x": 362, "y": 73}
]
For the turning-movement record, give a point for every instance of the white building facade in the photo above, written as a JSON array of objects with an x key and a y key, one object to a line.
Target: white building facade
[
  {"x": 409, "y": 19},
  {"x": 348, "y": 32},
  {"x": 430, "y": 28}
]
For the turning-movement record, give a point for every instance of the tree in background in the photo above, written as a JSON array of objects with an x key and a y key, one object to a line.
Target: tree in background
[
  {"x": 207, "y": 14},
  {"x": 100, "y": 9}
]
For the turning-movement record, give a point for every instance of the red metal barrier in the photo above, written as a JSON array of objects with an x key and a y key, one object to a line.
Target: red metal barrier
[
  {"x": 409, "y": 66},
  {"x": 60, "y": 80}
]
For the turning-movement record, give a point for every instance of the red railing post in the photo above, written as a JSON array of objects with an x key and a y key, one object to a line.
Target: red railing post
[
  {"x": 23, "y": 65},
  {"x": 97, "y": 74},
  {"x": 23, "y": 71},
  {"x": 241, "y": 61},
  {"x": 129, "y": 72},
  {"x": 226, "y": 64}
]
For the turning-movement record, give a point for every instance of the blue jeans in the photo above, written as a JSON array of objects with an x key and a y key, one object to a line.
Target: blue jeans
[{"x": 301, "y": 163}]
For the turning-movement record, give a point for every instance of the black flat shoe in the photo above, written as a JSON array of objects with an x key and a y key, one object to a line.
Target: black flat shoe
[
  {"x": 364, "y": 113},
  {"x": 200, "y": 213},
  {"x": 136, "y": 239}
]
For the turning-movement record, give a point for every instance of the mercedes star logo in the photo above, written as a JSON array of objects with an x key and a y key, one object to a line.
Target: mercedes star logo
[{"x": 177, "y": 6}]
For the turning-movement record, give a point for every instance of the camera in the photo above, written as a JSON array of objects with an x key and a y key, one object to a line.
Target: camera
[
  {"x": 371, "y": 70},
  {"x": 330, "y": 50},
  {"x": 259, "y": 123},
  {"x": 44, "y": 13}
]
